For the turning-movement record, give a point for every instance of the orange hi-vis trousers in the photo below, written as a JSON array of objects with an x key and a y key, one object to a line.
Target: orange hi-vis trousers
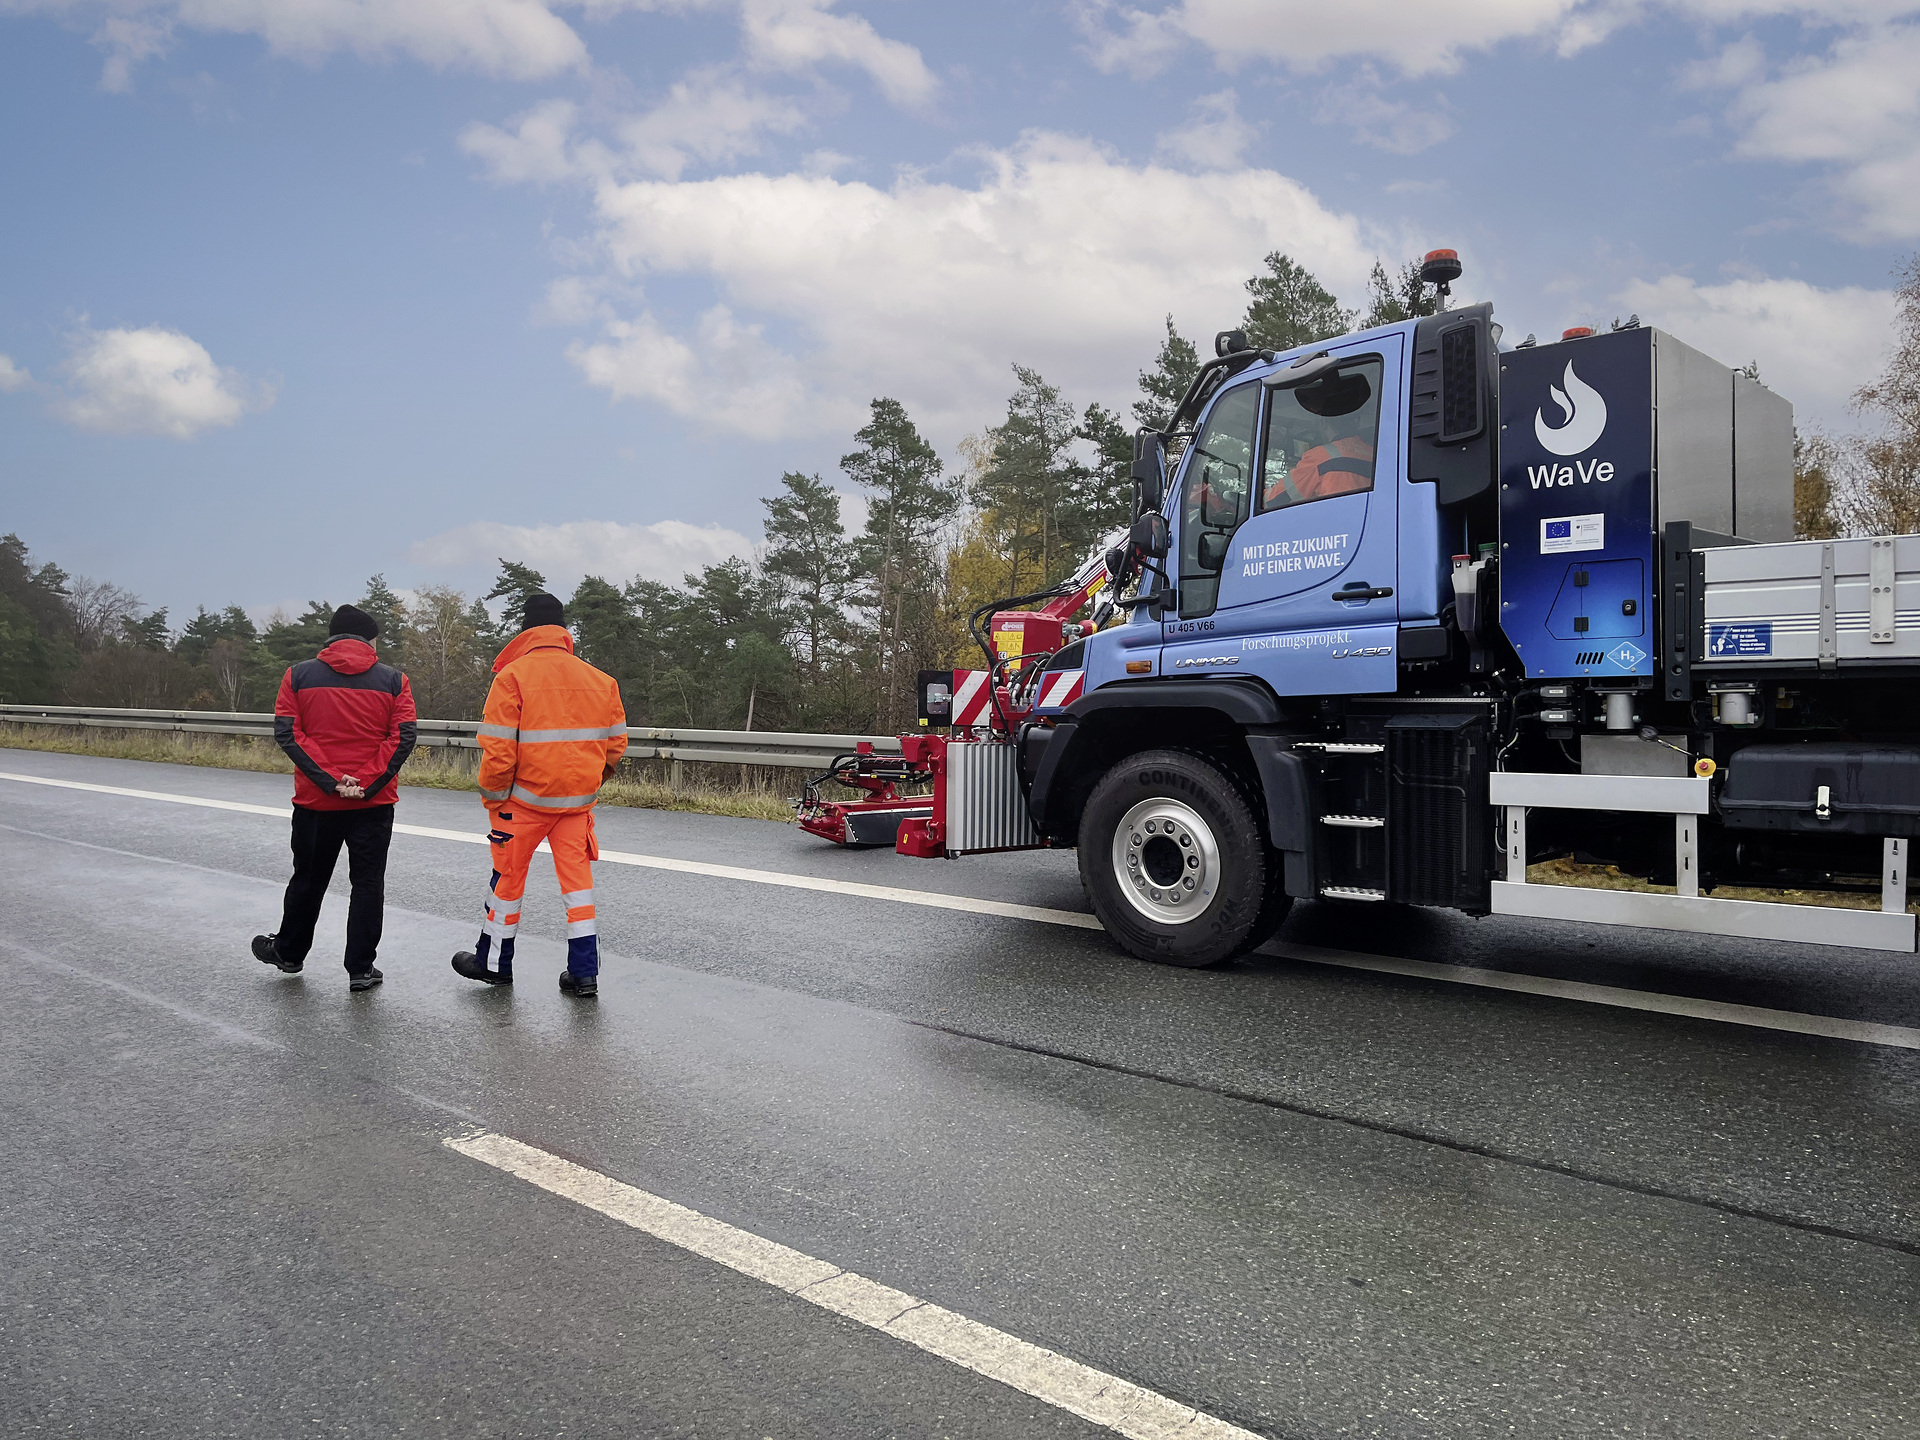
[{"x": 516, "y": 834}]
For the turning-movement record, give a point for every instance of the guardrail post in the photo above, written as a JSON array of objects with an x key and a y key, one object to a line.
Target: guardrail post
[
  {"x": 1893, "y": 876},
  {"x": 675, "y": 776}
]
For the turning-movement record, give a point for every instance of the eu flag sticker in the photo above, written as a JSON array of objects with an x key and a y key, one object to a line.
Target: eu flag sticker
[{"x": 1573, "y": 532}]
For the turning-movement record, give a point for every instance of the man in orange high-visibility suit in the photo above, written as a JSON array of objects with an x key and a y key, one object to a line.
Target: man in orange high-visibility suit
[{"x": 554, "y": 730}]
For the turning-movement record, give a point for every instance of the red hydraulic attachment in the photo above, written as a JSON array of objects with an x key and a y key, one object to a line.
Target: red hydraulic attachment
[
  {"x": 875, "y": 820},
  {"x": 975, "y": 706}
]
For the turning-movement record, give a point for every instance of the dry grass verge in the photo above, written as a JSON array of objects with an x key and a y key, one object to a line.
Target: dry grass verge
[
  {"x": 640, "y": 784},
  {"x": 1568, "y": 871}
]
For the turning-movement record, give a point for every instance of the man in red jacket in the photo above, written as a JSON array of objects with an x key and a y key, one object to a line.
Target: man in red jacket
[{"x": 347, "y": 722}]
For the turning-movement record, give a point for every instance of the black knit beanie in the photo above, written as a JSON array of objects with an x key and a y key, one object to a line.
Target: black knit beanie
[
  {"x": 352, "y": 620},
  {"x": 542, "y": 609}
]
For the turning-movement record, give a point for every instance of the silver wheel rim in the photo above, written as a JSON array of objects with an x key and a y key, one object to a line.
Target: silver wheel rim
[{"x": 1165, "y": 861}]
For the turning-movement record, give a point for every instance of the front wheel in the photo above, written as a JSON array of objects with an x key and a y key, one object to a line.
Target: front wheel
[{"x": 1173, "y": 861}]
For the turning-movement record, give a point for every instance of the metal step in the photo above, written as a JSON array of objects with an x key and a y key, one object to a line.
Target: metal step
[
  {"x": 1351, "y": 892},
  {"x": 1341, "y": 747},
  {"x": 1355, "y": 822}
]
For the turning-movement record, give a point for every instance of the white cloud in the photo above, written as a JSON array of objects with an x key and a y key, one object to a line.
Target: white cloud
[
  {"x": 12, "y": 376},
  {"x": 709, "y": 115},
  {"x": 725, "y": 373},
  {"x": 152, "y": 382},
  {"x": 519, "y": 39},
  {"x": 129, "y": 40},
  {"x": 1855, "y": 110},
  {"x": 1396, "y": 126},
  {"x": 1814, "y": 346},
  {"x": 795, "y": 35},
  {"x": 664, "y": 550},
  {"x": 1215, "y": 138},
  {"x": 925, "y": 291},
  {"x": 537, "y": 150},
  {"x": 1307, "y": 34}
]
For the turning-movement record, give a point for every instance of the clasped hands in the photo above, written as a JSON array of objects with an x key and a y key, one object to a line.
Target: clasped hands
[{"x": 348, "y": 788}]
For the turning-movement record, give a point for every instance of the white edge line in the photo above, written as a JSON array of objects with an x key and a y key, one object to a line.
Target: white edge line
[
  {"x": 1828, "y": 1026},
  {"x": 1093, "y": 1395},
  {"x": 1865, "y": 1032}
]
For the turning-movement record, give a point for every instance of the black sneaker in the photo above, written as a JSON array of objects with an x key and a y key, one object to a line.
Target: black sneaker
[
  {"x": 469, "y": 964},
  {"x": 264, "y": 952},
  {"x": 580, "y": 987},
  {"x": 365, "y": 979}
]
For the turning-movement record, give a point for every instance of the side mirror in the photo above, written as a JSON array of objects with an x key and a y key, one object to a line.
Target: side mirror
[
  {"x": 1149, "y": 535},
  {"x": 1149, "y": 471},
  {"x": 1211, "y": 553}
]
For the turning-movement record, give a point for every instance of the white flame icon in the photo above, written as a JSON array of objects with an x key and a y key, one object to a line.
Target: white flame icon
[{"x": 1586, "y": 414}]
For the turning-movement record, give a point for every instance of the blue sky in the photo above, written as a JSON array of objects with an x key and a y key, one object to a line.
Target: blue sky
[{"x": 292, "y": 291}]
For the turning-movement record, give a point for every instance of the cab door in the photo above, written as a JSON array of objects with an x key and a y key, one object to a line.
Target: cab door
[{"x": 1299, "y": 590}]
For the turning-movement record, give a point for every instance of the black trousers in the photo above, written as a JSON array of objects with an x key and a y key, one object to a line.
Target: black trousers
[{"x": 317, "y": 838}]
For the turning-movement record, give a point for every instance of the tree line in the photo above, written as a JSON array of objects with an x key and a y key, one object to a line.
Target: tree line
[{"x": 826, "y": 627}]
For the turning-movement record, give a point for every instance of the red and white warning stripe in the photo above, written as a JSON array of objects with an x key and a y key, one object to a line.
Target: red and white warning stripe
[
  {"x": 1061, "y": 689},
  {"x": 971, "y": 698}
]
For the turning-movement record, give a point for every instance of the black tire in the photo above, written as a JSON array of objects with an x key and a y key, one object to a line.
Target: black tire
[{"x": 1208, "y": 818}]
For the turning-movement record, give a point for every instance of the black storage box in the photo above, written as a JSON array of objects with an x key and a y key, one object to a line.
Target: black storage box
[{"x": 1870, "y": 789}]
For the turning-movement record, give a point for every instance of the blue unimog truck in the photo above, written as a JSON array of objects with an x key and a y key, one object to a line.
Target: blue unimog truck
[{"x": 1403, "y": 611}]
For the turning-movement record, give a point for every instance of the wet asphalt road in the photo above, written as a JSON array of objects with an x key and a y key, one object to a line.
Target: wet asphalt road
[{"x": 1313, "y": 1202}]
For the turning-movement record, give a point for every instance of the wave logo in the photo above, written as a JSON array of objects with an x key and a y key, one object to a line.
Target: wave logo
[{"x": 1586, "y": 414}]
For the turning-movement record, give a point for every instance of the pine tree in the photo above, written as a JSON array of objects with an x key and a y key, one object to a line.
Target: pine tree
[
  {"x": 389, "y": 612},
  {"x": 1397, "y": 297},
  {"x": 1107, "y": 499},
  {"x": 1291, "y": 308},
  {"x": 1165, "y": 386},
  {"x": 807, "y": 548},
  {"x": 1028, "y": 485},
  {"x": 516, "y": 583},
  {"x": 901, "y": 474}
]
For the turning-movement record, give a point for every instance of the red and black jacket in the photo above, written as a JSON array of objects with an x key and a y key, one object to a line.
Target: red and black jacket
[{"x": 344, "y": 713}]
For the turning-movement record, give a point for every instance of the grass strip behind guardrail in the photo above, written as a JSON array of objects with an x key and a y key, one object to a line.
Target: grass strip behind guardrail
[{"x": 760, "y": 798}]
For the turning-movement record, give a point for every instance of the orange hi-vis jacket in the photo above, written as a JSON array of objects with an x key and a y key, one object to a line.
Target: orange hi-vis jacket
[{"x": 553, "y": 725}]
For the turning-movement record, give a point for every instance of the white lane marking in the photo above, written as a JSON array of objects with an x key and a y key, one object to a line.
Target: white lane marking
[
  {"x": 1828, "y": 1026},
  {"x": 1794, "y": 1022},
  {"x": 1080, "y": 1390},
  {"x": 283, "y": 812}
]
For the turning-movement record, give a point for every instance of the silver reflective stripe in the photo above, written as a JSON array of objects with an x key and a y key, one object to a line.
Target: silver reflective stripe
[
  {"x": 557, "y": 802},
  {"x": 505, "y": 909},
  {"x": 498, "y": 732},
  {"x": 542, "y": 737},
  {"x": 577, "y": 928},
  {"x": 499, "y": 929},
  {"x": 493, "y": 794},
  {"x": 574, "y": 899}
]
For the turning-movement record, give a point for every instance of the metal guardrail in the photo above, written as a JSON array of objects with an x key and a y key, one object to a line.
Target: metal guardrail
[{"x": 730, "y": 747}]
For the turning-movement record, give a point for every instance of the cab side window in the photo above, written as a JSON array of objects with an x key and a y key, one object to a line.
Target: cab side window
[
  {"x": 1321, "y": 436},
  {"x": 1216, "y": 496}
]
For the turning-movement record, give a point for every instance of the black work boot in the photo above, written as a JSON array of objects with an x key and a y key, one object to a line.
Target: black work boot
[
  {"x": 264, "y": 952},
  {"x": 581, "y": 987},
  {"x": 364, "y": 979},
  {"x": 471, "y": 966}
]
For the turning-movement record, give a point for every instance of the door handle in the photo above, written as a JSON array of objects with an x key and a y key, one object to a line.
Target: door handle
[{"x": 1360, "y": 590}]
